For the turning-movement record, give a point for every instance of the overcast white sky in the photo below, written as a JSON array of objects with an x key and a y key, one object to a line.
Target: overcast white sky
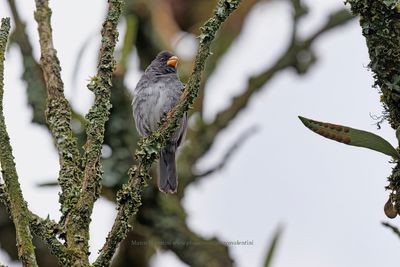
[{"x": 328, "y": 196}]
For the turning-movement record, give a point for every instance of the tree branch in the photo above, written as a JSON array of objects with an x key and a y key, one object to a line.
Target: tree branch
[
  {"x": 58, "y": 112},
  {"x": 380, "y": 27},
  {"x": 18, "y": 208},
  {"x": 392, "y": 227},
  {"x": 293, "y": 57},
  {"x": 46, "y": 230},
  {"x": 129, "y": 198},
  {"x": 221, "y": 45},
  {"x": 78, "y": 221},
  {"x": 32, "y": 75},
  {"x": 230, "y": 152}
]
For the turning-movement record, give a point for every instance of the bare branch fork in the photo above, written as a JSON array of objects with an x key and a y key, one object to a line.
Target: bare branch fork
[{"x": 80, "y": 186}]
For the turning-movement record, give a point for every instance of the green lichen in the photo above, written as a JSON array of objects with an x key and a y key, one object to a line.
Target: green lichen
[
  {"x": 78, "y": 221},
  {"x": 47, "y": 231},
  {"x": 58, "y": 113},
  {"x": 380, "y": 24},
  {"x": 17, "y": 205},
  {"x": 58, "y": 118}
]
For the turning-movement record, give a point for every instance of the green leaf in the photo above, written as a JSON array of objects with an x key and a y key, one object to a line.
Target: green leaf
[
  {"x": 351, "y": 136},
  {"x": 272, "y": 247}
]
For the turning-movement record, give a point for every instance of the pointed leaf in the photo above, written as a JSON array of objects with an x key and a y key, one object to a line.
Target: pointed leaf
[
  {"x": 272, "y": 247},
  {"x": 351, "y": 136}
]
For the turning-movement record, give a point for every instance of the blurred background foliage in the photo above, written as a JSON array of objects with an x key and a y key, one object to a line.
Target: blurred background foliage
[{"x": 151, "y": 26}]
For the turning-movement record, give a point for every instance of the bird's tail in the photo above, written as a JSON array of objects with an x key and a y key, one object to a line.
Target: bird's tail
[{"x": 168, "y": 181}]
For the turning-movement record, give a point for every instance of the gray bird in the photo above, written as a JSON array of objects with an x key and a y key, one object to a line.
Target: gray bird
[{"x": 156, "y": 93}]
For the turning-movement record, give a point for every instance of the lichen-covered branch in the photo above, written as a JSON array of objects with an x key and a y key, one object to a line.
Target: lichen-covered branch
[
  {"x": 58, "y": 112},
  {"x": 129, "y": 197},
  {"x": 379, "y": 21},
  {"x": 17, "y": 207},
  {"x": 221, "y": 45},
  {"x": 46, "y": 230},
  {"x": 78, "y": 221},
  {"x": 129, "y": 201},
  {"x": 380, "y": 24},
  {"x": 205, "y": 134},
  {"x": 32, "y": 75},
  {"x": 4, "y": 197}
]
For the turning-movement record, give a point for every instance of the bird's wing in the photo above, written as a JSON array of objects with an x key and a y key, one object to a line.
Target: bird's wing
[
  {"x": 171, "y": 89},
  {"x": 169, "y": 97},
  {"x": 145, "y": 97},
  {"x": 152, "y": 99}
]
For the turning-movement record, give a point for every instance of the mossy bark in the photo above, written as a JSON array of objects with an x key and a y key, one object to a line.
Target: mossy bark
[
  {"x": 17, "y": 205},
  {"x": 77, "y": 223},
  {"x": 380, "y": 25},
  {"x": 58, "y": 112}
]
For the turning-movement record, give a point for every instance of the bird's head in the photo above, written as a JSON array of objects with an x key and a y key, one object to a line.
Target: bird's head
[{"x": 164, "y": 63}]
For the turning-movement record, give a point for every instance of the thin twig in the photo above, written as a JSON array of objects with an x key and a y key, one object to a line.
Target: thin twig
[
  {"x": 299, "y": 11},
  {"x": 17, "y": 204},
  {"x": 58, "y": 113},
  {"x": 32, "y": 73},
  {"x": 47, "y": 230},
  {"x": 395, "y": 230},
  {"x": 129, "y": 198},
  {"x": 230, "y": 152}
]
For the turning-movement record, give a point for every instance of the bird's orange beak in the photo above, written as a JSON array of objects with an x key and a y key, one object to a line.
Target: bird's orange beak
[{"x": 172, "y": 61}]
